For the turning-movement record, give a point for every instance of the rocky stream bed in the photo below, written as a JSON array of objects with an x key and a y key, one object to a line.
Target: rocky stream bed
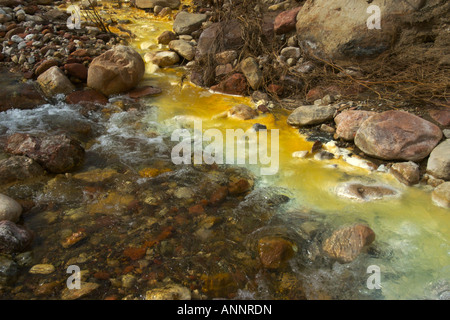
[{"x": 87, "y": 178}]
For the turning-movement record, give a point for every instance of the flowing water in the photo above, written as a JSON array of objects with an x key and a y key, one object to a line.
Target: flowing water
[{"x": 128, "y": 163}]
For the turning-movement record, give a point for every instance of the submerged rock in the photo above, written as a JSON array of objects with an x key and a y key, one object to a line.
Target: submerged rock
[
  {"x": 115, "y": 71},
  {"x": 18, "y": 168},
  {"x": 346, "y": 244},
  {"x": 56, "y": 153},
  {"x": 360, "y": 192},
  {"x": 169, "y": 292},
  {"x": 85, "y": 289},
  {"x": 144, "y": 92},
  {"x": 8, "y": 270},
  {"x": 14, "y": 238},
  {"x": 220, "y": 285},
  {"x": 42, "y": 269},
  {"x": 87, "y": 98},
  {"x": 397, "y": 135},
  {"x": 441, "y": 195},
  {"x": 242, "y": 112},
  {"x": 19, "y": 96},
  {"x": 274, "y": 252}
]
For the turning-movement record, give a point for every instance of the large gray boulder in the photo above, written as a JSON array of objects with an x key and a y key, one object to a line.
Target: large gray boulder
[
  {"x": 186, "y": 23},
  {"x": 116, "y": 71},
  {"x": 219, "y": 37},
  {"x": 338, "y": 28},
  {"x": 150, "y": 4},
  {"x": 397, "y": 135},
  {"x": 311, "y": 115},
  {"x": 183, "y": 48}
]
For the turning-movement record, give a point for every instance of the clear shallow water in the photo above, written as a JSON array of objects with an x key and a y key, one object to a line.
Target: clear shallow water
[
  {"x": 410, "y": 227},
  {"x": 412, "y": 246}
]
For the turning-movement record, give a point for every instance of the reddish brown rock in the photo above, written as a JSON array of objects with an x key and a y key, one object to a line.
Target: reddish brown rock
[
  {"x": 285, "y": 21},
  {"x": 238, "y": 187},
  {"x": 80, "y": 53},
  {"x": 274, "y": 252},
  {"x": 234, "y": 84},
  {"x": 57, "y": 153},
  {"x": 77, "y": 70},
  {"x": 218, "y": 196},
  {"x": 348, "y": 122},
  {"x": 397, "y": 135},
  {"x": 14, "y": 31},
  {"x": 44, "y": 66},
  {"x": 143, "y": 92},
  {"x": 134, "y": 253},
  {"x": 74, "y": 239},
  {"x": 441, "y": 116},
  {"x": 275, "y": 89},
  {"x": 196, "y": 209},
  {"x": 345, "y": 244},
  {"x": 314, "y": 94},
  {"x": 86, "y": 97}
]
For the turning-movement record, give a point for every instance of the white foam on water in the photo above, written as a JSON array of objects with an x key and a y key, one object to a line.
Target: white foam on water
[{"x": 42, "y": 118}]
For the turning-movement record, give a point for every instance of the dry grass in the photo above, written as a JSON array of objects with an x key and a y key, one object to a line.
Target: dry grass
[{"x": 388, "y": 78}]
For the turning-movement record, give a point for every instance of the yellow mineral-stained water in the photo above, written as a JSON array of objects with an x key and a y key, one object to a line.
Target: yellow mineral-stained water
[{"x": 410, "y": 226}]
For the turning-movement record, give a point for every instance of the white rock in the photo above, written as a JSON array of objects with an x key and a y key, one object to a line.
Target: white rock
[
  {"x": 10, "y": 209},
  {"x": 300, "y": 154}
]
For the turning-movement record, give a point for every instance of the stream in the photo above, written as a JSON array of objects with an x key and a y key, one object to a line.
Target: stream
[{"x": 145, "y": 222}]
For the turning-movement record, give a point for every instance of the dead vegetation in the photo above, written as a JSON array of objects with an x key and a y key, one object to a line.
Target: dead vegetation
[{"x": 412, "y": 72}]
